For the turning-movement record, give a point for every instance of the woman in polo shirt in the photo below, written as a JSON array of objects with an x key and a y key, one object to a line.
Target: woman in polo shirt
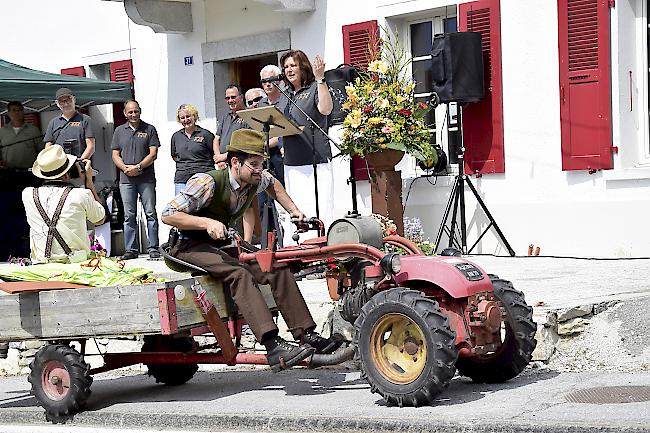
[
  {"x": 193, "y": 147},
  {"x": 309, "y": 91}
]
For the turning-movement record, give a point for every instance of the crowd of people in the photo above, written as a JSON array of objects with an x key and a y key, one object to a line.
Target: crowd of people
[
  {"x": 296, "y": 88},
  {"x": 217, "y": 179}
]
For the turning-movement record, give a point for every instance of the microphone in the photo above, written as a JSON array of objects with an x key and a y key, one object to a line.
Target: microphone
[{"x": 272, "y": 79}]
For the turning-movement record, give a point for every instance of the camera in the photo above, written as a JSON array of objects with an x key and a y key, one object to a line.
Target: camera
[
  {"x": 77, "y": 168},
  {"x": 70, "y": 146}
]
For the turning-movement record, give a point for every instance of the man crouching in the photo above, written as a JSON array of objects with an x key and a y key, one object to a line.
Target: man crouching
[
  {"x": 203, "y": 210},
  {"x": 57, "y": 211}
]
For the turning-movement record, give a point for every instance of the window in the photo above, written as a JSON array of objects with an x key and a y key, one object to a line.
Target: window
[{"x": 442, "y": 120}]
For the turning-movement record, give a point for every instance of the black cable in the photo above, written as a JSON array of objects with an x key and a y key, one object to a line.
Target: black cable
[
  {"x": 426, "y": 176},
  {"x": 22, "y": 141},
  {"x": 568, "y": 257}
]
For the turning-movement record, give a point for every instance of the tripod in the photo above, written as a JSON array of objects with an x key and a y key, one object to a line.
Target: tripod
[{"x": 457, "y": 201}]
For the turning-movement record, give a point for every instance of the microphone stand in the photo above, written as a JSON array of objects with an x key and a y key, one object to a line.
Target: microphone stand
[{"x": 312, "y": 122}]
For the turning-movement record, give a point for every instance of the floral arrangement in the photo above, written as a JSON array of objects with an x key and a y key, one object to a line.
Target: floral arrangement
[
  {"x": 96, "y": 249},
  {"x": 383, "y": 113},
  {"x": 388, "y": 227},
  {"x": 413, "y": 231}
]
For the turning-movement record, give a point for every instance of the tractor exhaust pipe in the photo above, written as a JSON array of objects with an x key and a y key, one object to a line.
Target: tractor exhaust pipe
[{"x": 335, "y": 358}]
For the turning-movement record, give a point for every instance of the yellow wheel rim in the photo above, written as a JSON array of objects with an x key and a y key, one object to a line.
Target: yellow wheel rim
[{"x": 398, "y": 348}]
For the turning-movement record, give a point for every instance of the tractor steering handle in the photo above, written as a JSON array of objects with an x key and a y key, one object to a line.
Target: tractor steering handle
[{"x": 306, "y": 225}]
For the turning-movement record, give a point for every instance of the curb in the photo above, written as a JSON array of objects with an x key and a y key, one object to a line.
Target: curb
[{"x": 225, "y": 422}]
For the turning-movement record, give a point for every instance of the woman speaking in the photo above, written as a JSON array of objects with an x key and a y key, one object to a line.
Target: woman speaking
[{"x": 309, "y": 91}]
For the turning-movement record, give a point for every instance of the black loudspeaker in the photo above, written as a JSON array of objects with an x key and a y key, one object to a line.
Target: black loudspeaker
[
  {"x": 337, "y": 79},
  {"x": 457, "y": 71}
]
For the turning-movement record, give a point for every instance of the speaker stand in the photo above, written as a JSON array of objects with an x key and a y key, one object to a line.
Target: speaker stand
[{"x": 457, "y": 202}]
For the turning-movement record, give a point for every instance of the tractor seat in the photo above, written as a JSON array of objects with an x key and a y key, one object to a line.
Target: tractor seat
[{"x": 179, "y": 265}]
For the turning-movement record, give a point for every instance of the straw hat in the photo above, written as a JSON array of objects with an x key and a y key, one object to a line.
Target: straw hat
[{"x": 52, "y": 162}]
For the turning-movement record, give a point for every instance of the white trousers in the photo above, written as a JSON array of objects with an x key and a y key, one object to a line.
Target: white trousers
[{"x": 299, "y": 183}]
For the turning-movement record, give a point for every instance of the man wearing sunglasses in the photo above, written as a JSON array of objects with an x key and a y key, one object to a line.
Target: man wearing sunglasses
[
  {"x": 229, "y": 122},
  {"x": 204, "y": 209},
  {"x": 253, "y": 97}
]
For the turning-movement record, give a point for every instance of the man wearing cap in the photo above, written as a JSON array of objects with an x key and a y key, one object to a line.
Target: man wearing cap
[
  {"x": 71, "y": 129},
  {"x": 57, "y": 212},
  {"x": 203, "y": 211}
]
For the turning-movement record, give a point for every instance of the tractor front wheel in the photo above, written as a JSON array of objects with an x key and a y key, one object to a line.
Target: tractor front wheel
[
  {"x": 170, "y": 374},
  {"x": 60, "y": 381},
  {"x": 517, "y": 341},
  {"x": 406, "y": 347}
]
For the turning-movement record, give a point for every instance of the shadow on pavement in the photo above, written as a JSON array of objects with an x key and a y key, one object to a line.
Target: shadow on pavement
[
  {"x": 210, "y": 386},
  {"x": 462, "y": 390}
]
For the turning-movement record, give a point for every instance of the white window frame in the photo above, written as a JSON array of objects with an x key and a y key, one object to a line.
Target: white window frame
[{"x": 441, "y": 129}]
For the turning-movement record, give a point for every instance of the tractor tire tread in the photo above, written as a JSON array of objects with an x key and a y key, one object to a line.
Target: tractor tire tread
[
  {"x": 80, "y": 381},
  {"x": 518, "y": 346},
  {"x": 171, "y": 374},
  {"x": 442, "y": 350}
]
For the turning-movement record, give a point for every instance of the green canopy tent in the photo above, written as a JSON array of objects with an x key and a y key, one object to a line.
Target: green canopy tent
[{"x": 36, "y": 89}]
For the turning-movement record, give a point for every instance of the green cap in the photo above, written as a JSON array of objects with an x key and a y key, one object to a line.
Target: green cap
[{"x": 247, "y": 141}]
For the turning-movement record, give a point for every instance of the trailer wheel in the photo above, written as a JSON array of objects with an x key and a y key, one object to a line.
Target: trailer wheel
[
  {"x": 170, "y": 374},
  {"x": 60, "y": 381},
  {"x": 406, "y": 347},
  {"x": 518, "y": 340}
]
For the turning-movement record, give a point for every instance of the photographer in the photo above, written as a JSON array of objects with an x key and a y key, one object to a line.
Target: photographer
[{"x": 57, "y": 211}]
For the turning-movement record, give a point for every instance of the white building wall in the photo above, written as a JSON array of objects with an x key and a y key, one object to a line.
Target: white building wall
[{"x": 534, "y": 201}]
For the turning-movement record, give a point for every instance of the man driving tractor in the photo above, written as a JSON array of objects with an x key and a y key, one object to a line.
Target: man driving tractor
[{"x": 202, "y": 212}]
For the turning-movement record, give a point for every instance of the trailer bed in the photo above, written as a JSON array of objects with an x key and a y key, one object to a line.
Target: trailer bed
[{"x": 73, "y": 313}]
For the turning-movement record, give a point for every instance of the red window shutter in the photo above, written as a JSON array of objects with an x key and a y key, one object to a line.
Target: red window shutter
[
  {"x": 122, "y": 71},
  {"x": 356, "y": 40},
  {"x": 34, "y": 119},
  {"x": 585, "y": 93},
  {"x": 78, "y": 71},
  {"x": 483, "y": 120}
]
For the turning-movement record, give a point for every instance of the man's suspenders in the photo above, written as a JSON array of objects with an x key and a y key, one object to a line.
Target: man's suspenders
[{"x": 52, "y": 232}]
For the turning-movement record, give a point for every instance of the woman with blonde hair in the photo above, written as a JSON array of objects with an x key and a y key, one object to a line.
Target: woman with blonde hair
[{"x": 193, "y": 147}]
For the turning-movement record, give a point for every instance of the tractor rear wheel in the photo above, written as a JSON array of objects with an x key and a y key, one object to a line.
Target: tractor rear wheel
[
  {"x": 518, "y": 340},
  {"x": 406, "y": 347},
  {"x": 60, "y": 381},
  {"x": 170, "y": 374}
]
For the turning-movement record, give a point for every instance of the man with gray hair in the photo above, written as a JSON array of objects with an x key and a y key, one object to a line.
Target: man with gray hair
[
  {"x": 253, "y": 97},
  {"x": 270, "y": 75},
  {"x": 267, "y": 74}
]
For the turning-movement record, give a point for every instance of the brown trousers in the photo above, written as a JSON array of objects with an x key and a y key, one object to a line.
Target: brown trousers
[{"x": 242, "y": 279}]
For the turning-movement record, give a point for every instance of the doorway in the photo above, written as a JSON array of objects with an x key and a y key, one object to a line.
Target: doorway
[{"x": 246, "y": 72}]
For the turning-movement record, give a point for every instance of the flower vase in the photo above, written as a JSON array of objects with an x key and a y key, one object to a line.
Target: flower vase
[{"x": 386, "y": 186}]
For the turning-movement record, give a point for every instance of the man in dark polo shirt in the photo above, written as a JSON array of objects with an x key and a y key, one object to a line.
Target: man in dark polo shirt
[
  {"x": 135, "y": 148},
  {"x": 229, "y": 122},
  {"x": 71, "y": 129}
]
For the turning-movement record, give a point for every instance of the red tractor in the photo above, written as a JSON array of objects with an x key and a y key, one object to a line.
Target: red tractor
[{"x": 417, "y": 319}]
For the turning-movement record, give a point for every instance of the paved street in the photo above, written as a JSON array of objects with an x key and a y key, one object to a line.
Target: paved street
[{"x": 301, "y": 400}]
